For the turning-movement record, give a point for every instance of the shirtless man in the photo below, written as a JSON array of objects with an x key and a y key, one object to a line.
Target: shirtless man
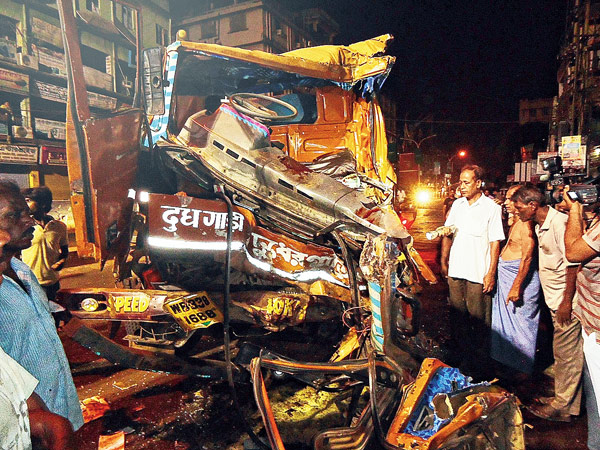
[{"x": 515, "y": 307}]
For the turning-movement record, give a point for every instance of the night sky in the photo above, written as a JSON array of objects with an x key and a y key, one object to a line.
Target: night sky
[{"x": 461, "y": 61}]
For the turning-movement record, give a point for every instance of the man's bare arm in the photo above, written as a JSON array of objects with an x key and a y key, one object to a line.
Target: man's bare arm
[
  {"x": 54, "y": 431},
  {"x": 525, "y": 232},
  {"x": 445, "y": 255},
  {"x": 490, "y": 278},
  {"x": 563, "y": 313},
  {"x": 576, "y": 249},
  {"x": 62, "y": 258}
]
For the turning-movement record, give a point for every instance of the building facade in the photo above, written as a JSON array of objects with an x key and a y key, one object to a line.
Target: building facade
[
  {"x": 576, "y": 111},
  {"x": 255, "y": 25},
  {"x": 33, "y": 78},
  {"x": 535, "y": 111}
]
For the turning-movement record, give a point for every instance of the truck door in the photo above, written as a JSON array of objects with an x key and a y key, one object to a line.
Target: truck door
[{"x": 102, "y": 154}]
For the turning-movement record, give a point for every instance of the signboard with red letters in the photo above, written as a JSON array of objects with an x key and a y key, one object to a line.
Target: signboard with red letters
[{"x": 53, "y": 156}]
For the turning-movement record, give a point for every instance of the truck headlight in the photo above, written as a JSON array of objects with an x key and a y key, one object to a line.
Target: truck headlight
[{"x": 89, "y": 304}]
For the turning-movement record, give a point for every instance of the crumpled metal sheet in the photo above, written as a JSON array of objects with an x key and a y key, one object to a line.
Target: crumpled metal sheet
[
  {"x": 343, "y": 64},
  {"x": 496, "y": 412},
  {"x": 371, "y": 154},
  {"x": 336, "y": 165},
  {"x": 482, "y": 416},
  {"x": 275, "y": 310},
  {"x": 379, "y": 258},
  {"x": 378, "y": 262}
]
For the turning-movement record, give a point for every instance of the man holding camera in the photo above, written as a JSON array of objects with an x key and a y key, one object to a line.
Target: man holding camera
[
  {"x": 557, "y": 277},
  {"x": 582, "y": 244}
]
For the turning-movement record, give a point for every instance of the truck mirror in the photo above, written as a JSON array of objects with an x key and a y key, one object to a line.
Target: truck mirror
[{"x": 153, "y": 81}]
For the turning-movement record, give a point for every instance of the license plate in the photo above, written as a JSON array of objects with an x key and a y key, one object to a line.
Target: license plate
[{"x": 194, "y": 311}]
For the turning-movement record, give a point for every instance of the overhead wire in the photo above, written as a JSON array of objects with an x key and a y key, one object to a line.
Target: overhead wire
[{"x": 459, "y": 122}]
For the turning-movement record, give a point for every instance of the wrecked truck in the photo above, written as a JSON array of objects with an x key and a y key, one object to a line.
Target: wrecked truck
[
  {"x": 258, "y": 174},
  {"x": 251, "y": 191}
]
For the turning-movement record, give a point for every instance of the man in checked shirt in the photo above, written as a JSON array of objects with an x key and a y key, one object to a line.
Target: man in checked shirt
[
  {"x": 582, "y": 245},
  {"x": 27, "y": 330}
]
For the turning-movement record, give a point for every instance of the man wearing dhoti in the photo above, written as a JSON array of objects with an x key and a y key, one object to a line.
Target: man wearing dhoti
[{"x": 515, "y": 306}]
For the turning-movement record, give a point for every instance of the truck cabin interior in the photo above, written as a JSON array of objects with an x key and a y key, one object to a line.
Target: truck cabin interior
[{"x": 203, "y": 82}]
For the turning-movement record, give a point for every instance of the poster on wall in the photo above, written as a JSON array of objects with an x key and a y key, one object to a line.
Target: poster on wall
[
  {"x": 53, "y": 156},
  {"x": 573, "y": 153}
]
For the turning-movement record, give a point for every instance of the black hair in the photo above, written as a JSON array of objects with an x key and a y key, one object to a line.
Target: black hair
[
  {"x": 41, "y": 195},
  {"x": 528, "y": 193},
  {"x": 9, "y": 189}
]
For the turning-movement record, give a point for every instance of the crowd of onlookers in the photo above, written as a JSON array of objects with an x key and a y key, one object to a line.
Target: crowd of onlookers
[{"x": 500, "y": 264}]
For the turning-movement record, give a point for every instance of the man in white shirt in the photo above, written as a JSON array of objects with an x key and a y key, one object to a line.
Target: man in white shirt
[
  {"x": 23, "y": 414},
  {"x": 16, "y": 386},
  {"x": 557, "y": 277},
  {"x": 469, "y": 260}
]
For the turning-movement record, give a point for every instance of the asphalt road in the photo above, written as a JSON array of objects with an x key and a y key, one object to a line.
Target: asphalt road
[{"x": 161, "y": 411}]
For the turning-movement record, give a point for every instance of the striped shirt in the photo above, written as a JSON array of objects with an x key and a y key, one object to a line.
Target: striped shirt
[
  {"x": 587, "y": 309},
  {"x": 28, "y": 335}
]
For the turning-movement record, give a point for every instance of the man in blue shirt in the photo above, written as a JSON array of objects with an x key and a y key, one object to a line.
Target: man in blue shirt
[{"x": 27, "y": 330}]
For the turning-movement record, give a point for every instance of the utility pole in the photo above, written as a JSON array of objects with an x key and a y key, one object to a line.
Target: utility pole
[{"x": 418, "y": 145}]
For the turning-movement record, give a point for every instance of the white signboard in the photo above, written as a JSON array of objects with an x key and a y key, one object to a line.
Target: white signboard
[
  {"x": 46, "y": 32},
  {"x": 18, "y": 154},
  {"x": 524, "y": 171},
  {"x": 59, "y": 94}
]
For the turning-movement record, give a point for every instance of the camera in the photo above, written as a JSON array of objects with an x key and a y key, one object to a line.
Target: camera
[
  {"x": 553, "y": 166},
  {"x": 586, "y": 193}
]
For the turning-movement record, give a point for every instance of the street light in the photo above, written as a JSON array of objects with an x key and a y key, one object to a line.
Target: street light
[
  {"x": 417, "y": 143},
  {"x": 461, "y": 154}
]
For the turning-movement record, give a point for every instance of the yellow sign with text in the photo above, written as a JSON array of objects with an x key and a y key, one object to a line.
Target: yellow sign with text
[
  {"x": 194, "y": 311},
  {"x": 130, "y": 303}
]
